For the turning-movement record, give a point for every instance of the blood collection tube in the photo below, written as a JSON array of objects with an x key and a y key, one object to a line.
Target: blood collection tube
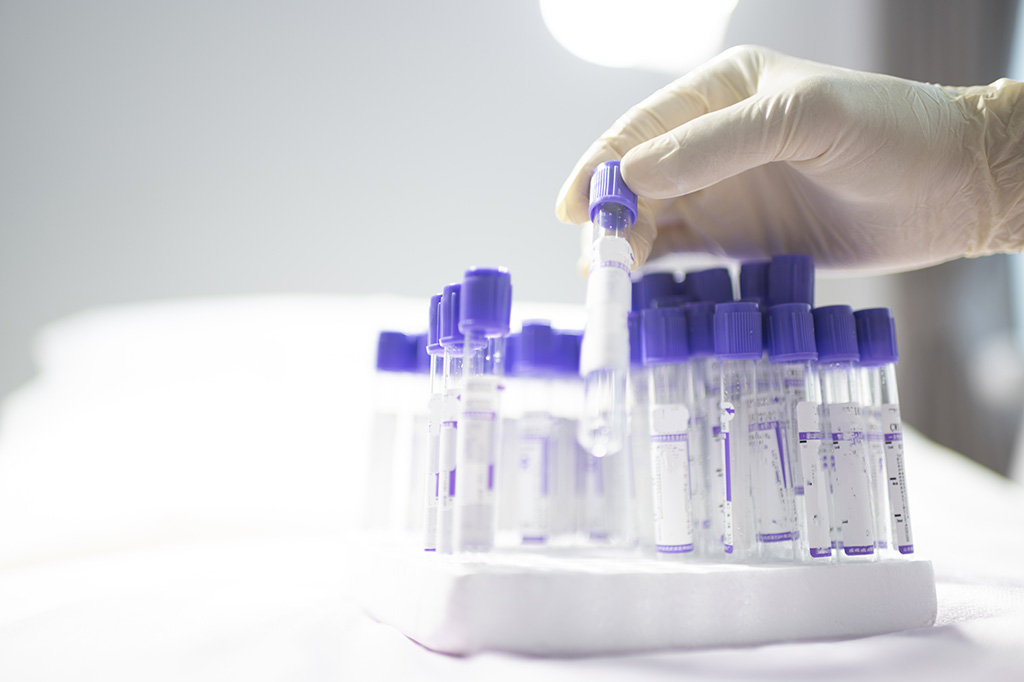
[
  {"x": 738, "y": 348},
  {"x": 876, "y": 339},
  {"x": 434, "y": 410},
  {"x": 852, "y": 499},
  {"x": 451, "y": 341},
  {"x": 604, "y": 357},
  {"x": 792, "y": 352},
  {"x": 485, "y": 307},
  {"x": 673, "y": 487}
]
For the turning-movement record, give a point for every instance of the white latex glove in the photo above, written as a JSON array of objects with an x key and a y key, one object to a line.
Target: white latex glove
[{"x": 758, "y": 153}]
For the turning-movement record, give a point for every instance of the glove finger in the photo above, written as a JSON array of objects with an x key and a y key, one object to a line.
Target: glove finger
[
  {"x": 789, "y": 126},
  {"x": 729, "y": 78}
]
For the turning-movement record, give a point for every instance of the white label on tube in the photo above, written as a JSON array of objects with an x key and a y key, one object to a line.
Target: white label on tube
[
  {"x": 446, "y": 468},
  {"x": 609, "y": 293},
  {"x": 892, "y": 433},
  {"x": 670, "y": 478},
  {"x": 533, "y": 470},
  {"x": 814, "y": 467},
  {"x": 432, "y": 490},
  {"x": 852, "y": 489},
  {"x": 773, "y": 486}
]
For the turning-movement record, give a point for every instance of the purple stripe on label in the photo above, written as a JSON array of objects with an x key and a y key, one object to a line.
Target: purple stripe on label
[
  {"x": 798, "y": 490},
  {"x": 774, "y": 537},
  {"x": 782, "y": 453},
  {"x": 490, "y": 477},
  {"x": 437, "y": 484},
  {"x": 728, "y": 549},
  {"x": 450, "y": 424},
  {"x": 451, "y": 483},
  {"x": 853, "y": 436},
  {"x": 429, "y": 549},
  {"x": 670, "y": 438},
  {"x": 858, "y": 550},
  {"x": 534, "y": 539},
  {"x": 906, "y": 549},
  {"x": 716, "y": 431},
  {"x": 874, "y": 437},
  {"x": 598, "y": 535},
  {"x": 804, "y": 436},
  {"x": 881, "y": 544},
  {"x": 792, "y": 382},
  {"x": 614, "y": 264},
  {"x": 674, "y": 549},
  {"x": 728, "y": 471},
  {"x": 480, "y": 416},
  {"x": 891, "y": 437},
  {"x": 819, "y": 552}
]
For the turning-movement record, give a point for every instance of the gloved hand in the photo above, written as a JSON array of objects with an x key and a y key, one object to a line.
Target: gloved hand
[{"x": 757, "y": 153}]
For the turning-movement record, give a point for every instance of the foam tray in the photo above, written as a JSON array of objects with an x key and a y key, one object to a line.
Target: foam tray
[{"x": 575, "y": 603}]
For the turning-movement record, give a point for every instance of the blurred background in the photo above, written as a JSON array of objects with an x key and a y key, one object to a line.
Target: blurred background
[{"x": 165, "y": 150}]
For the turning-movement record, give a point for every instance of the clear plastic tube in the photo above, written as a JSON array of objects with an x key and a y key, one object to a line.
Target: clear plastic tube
[
  {"x": 808, "y": 460},
  {"x": 732, "y": 468},
  {"x": 536, "y": 454},
  {"x": 640, "y": 455},
  {"x": 672, "y": 479},
  {"x": 477, "y": 441},
  {"x": 447, "y": 437},
  {"x": 432, "y": 482},
  {"x": 852, "y": 496},
  {"x": 881, "y": 397},
  {"x": 771, "y": 470}
]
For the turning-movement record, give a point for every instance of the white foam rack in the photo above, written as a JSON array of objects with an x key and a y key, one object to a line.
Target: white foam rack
[{"x": 589, "y": 602}]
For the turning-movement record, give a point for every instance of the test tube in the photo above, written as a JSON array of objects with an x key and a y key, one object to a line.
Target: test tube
[
  {"x": 485, "y": 306},
  {"x": 639, "y": 435},
  {"x": 705, "y": 376},
  {"x": 738, "y": 348},
  {"x": 536, "y": 438},
  {"x": 432, "y": 490},
  {"x": 879, "y": 353},
  {"x": 451, "y": 341},
  {"x": 792, "y": 352},
  {"x": 852, "y": 501},
  {"x": 604, "y": 357},
  {"x": 565, "y": 400},
  {"x": 665, "y": 355}
]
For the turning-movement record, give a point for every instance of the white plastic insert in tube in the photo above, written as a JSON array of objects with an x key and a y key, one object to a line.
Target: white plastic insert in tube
[{"x": 604, "y": 356}]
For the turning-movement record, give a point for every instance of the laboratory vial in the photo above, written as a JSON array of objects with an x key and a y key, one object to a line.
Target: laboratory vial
[
  {"x": 536, "y": 446},
  {"x": 853, "y": 522},
  {"x": 414, "y": 495},
  {"x": 713, "y": 285},
  {"x": 793, "y": 354},
  {"x": 738, "y": 347},
  {"x": 432, "y": 487},
  {"x": 452, "y": 342},
  {"x": 485, "y": 307},
  {"x": 705, "y": 379},
  {"x": 639, "y": 435},
  {"x": 665, "y": 355},
  {"x": 566, "y": 396},
  {"x": 392, "y": 438},
  {"x": 879, "y": 353},
  {"x": 604, "y": 357}
]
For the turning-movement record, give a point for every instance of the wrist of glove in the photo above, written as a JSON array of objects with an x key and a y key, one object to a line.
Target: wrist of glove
[{"x": 758, "y": 153}]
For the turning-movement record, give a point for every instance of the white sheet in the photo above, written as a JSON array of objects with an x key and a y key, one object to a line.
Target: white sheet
[{"x": 177, "y": 489}]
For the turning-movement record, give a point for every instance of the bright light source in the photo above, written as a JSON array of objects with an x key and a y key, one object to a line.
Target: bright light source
[{"x": 663, "y": 35}]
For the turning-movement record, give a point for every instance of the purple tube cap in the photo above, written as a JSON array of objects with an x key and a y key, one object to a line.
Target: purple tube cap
[
  {"x": 485, "y": 303},
  {"x": 608, "y": 187},
  {"x": 537, "y": 349},
  {"x": 653, "y": 286},
  {"x": 396, "y": 352},
  {"x": 738, "y": 331},
  {"x": 663, "y": 336},
  {"x": 713, "y": 285},
  {"x": 434, "y": 326},
  {"x": 700, "y": 328},
  {"x": 450, "y": 336},
  {"x": 636, "y": 351},
  {"x": 567, "y": 358},
  {"x": 791, "y": 279},
  {"x": 754, "y": 281},
  {"x": 791, "y": 333},
  {"x": 876, "y": 337},
  {"x": 835, "y": 334}
]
